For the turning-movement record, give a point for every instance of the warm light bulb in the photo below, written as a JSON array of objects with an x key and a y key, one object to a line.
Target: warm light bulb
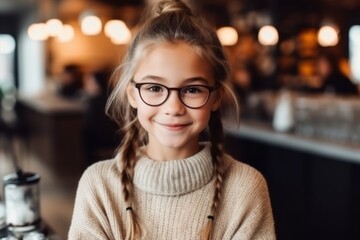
[
  {"x": 91, "y": 25},
  {"x": 66, "y": 34},
  {"x": 268, "y": 35},
  {"x": 227, "y": 35},
  {"x": 123, "y": 39},
  {"x": 113, "y": 27},
  {"x": 38, "y": 32},
  {"x": 327, "y": 36},
  {"x": 117, "y": 31},
  {"x": 53, "y": 26}
]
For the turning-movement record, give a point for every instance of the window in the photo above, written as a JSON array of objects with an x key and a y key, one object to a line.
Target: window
[
  {"x": 7, "y": 52},
  {"x": 354, "y": 52}
]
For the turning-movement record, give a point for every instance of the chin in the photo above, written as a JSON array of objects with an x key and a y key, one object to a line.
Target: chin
[{"x": 173, "y": 145}]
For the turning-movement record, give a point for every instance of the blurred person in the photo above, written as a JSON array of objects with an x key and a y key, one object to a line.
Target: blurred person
[
  {"x": 101, "y": 135},
  {"x": 71, "y": 82},
  {"x": 330, "y": 77}
]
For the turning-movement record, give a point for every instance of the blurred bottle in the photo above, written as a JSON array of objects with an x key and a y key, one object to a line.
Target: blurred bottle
[{"x": 283, "y": 120}]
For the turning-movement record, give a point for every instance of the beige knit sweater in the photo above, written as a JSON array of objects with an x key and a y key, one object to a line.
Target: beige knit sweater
[{"x": 173, "y": 200}]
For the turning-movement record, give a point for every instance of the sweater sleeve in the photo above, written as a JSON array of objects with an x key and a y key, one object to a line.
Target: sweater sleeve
[
  {"x": 258, "y": 220},
  {"x": 89, "y": 219}
]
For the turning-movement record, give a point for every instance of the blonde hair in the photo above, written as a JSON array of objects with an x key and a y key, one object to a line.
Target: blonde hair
[{"x": 172, "y": 21}]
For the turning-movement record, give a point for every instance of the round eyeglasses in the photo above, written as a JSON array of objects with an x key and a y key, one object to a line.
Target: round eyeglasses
[{"x": 192, "y": 96}]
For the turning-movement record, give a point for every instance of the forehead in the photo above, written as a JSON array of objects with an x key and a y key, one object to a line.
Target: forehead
[{"x": 177, "y": 60}]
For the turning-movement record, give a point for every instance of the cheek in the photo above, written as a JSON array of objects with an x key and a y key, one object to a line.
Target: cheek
[
  {"x": 144, "y": 111},
  {"x": 202, "y": 116}
]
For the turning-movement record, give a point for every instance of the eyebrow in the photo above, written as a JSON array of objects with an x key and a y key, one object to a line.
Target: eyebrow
[{"x": 187, "y": 81}]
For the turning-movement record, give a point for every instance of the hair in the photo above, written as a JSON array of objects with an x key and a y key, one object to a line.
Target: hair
[{"x": 172, "y": 22}]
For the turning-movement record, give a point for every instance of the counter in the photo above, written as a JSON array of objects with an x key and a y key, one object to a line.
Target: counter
[
  {"x": 313, "y": 183},
  {"x": 48, "y": 103},
  {"x": 263, "y": 132},
  {"x": 54, "y": 131}
]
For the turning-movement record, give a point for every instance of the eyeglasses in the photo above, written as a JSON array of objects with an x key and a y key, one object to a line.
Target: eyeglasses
[{"x": 192, "y": 96}]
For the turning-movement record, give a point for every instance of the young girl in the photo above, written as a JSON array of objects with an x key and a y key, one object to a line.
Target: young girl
[{"x": 164, "y": 183}]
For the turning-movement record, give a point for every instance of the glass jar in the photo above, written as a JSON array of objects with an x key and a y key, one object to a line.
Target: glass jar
[{"x": 22, "y": 205}]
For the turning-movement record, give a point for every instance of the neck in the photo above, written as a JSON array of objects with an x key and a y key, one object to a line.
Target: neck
[
  {"x": 174, "y": 177},
  {"x": 169, "y": 153}
]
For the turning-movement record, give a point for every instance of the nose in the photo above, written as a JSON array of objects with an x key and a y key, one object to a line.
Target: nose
[{"x": 173, "y": 105}]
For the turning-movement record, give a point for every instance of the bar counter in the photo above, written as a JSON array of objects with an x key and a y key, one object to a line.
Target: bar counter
[
  {"x": 54, "y": 131},
  {"x": 313, "y": 183},
  {"x": 48, "y": 103},
  {"x": 263, "y": 132}
]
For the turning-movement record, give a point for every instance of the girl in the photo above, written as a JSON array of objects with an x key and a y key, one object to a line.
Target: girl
[{"x": 164, "y": 183}]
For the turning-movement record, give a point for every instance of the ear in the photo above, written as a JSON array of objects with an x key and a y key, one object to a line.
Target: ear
[
  {"x": 131, "y": 96},
  {"x": 218, "y": 98}
]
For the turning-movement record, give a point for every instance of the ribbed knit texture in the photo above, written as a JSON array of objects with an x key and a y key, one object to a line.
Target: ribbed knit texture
[
  {"x": 174, "y": 177},
  {"x": 172, "y": 200}
]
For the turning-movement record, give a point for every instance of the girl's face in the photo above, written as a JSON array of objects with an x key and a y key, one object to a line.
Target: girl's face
[{"x": 173, "y": 128}]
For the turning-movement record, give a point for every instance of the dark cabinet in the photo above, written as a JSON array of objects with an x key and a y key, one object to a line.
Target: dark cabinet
[{"x": 313, "y": 196}]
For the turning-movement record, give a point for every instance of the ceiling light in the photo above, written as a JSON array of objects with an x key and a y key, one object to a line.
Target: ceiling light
[
  {"x": 66, "y": 34},
  {"x": 38, "y": 32},
  {"x": 328, "y": 36},
  {"x": 53, "y": 26},
  {"x": 117, "y": 31},
  {"x": 90, "y": 23},
  {"x": 268, "y": 35},
  {"x": 227, "y": 35}
]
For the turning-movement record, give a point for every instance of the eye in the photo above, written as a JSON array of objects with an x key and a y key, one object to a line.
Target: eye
[
  {"x": 194, "y": 90},
  {"x": 153, "y": 88}
]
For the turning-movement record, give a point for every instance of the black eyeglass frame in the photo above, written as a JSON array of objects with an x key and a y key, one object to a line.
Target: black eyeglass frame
[{"x": 209, "y": 88}]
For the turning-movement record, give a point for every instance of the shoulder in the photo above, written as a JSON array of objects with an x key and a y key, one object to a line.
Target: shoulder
[
  {"x": 238, "y": 169},
  {"x": 245, "y": 189},
  {"x": 102, "y": 166},
  {"x": 243, "y": 179},
  {"x": 102, "y": 171},
  {"x": 99, "y": 181}
]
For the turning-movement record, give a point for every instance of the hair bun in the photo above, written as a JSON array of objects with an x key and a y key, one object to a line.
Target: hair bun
[{"x": 167, "y": 6}]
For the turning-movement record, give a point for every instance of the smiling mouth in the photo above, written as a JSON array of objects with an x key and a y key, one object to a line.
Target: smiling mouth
[{"x": 174, "y": 126}]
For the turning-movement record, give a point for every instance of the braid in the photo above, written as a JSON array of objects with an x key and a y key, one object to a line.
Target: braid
[
  {"x": 128, "y": 157},
  {"x": 216, "y": 139}
]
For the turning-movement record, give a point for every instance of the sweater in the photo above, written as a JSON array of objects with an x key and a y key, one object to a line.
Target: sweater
[{"x": 172, "y": 200}]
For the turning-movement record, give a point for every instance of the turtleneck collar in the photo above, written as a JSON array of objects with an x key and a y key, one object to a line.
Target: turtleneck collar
[{"x": 174, "y": 177}]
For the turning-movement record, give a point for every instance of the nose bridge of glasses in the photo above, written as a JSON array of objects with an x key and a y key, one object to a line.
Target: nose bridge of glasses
[
  {"x": 173, "y": 104},
  {"x": 177, "y": 93}
]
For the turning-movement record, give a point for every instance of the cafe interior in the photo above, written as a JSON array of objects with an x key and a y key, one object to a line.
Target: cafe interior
[{"x": 295, "y": 68}]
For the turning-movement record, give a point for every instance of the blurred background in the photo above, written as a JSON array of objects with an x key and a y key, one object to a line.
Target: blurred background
[{"x": 295, "y": 67}]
